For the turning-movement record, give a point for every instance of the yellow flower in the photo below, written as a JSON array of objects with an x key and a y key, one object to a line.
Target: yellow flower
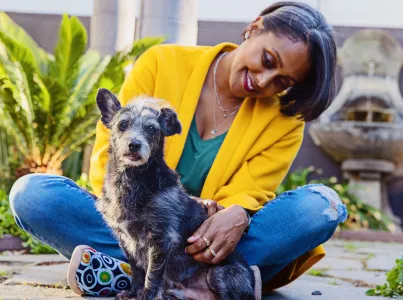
[
  {"x": 333, "y": 179},
  {"x": 338, "y": 188}
]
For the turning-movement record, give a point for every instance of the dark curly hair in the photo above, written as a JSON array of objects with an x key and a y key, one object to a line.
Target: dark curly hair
[{"x": 301, "y": 22}]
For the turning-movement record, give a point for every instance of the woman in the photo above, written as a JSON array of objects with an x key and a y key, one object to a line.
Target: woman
[{"x": 243, "y": 111}]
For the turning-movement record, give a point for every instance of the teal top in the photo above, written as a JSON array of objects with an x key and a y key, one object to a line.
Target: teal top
[{"x": 197, "y": 158}]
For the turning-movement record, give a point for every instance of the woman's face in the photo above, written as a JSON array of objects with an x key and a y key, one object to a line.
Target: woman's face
[{"x": 266, "y": 64}]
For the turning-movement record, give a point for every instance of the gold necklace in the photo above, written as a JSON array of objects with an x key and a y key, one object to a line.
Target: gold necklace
[{"x": 226, "y": 112}]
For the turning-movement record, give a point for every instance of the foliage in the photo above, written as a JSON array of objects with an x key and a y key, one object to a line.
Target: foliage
[
  {"x": 393, "y": 287},
  {"x": 317, "y": 273},
  {"x": 361, "y": 215},
  {"x": 84, "y": 182},
  {"x": 47, "y": 101}
]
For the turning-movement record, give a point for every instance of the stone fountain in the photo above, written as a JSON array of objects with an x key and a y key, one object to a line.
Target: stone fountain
[{"x": 363, "y": 128}]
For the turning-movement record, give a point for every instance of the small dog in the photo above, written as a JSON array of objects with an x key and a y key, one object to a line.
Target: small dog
[{"x": 149, "y": 211}]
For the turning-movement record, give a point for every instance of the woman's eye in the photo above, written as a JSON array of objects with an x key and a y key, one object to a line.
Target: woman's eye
[
  {"x": 123, "y": 125},
  {"x": 266, "y": 60}
]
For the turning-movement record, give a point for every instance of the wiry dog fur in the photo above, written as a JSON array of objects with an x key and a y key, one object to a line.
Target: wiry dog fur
[{"x": 148, "y": 210}]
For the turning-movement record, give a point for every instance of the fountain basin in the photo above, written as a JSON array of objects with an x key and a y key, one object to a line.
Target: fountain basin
[{"x": 359, "y": 140}]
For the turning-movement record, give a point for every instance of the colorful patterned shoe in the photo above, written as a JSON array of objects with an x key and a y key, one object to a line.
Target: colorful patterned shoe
[{"x": 96, "y": 274}]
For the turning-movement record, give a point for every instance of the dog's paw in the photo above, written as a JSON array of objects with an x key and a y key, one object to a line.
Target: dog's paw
[{"x": 125, "y": 295}]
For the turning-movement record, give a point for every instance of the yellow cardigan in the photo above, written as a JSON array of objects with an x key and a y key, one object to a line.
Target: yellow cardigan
[{"x": 255, "y": 155}]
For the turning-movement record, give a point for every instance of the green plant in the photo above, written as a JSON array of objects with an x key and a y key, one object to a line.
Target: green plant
[
  {"x": 393, "y": 287},
  {"x": 360, "y": 214},
  {"x": 351, "y": 247},
  {"x": 84, "y": 182},
  {"x": 47, "y": 102},
  {"x": 317, "y": 273}
]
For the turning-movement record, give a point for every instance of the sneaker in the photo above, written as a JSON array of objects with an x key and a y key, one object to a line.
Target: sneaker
[{"x": 96, "y": 274}]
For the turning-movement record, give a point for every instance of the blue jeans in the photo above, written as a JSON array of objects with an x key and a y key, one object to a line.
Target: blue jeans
[{"x": 59, "y": 213}]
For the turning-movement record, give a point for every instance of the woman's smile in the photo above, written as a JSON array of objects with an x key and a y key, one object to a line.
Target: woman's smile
[{"x": 249, "y": 84}]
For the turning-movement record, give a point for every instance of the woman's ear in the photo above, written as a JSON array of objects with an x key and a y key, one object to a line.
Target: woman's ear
[{"x": 257, "y": 24}]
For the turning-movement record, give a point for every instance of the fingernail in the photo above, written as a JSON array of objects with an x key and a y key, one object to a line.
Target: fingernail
[{"x": 191, "y": 239}]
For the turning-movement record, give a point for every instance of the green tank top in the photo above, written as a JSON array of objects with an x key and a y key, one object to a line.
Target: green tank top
[{"x": 197, "y": 158}]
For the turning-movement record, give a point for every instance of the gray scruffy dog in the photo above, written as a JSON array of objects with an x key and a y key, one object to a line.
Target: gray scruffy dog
[{"x": 148, "y": 210}]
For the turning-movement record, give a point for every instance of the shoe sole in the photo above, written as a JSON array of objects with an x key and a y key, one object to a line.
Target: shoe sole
[{"x": 73, "y": 266}]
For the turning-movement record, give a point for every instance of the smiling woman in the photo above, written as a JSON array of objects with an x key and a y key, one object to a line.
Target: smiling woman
[{"x": 242, "y": 109}]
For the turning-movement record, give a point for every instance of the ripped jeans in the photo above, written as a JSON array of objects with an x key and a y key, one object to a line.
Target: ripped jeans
[{"x": 59, "y": 213}]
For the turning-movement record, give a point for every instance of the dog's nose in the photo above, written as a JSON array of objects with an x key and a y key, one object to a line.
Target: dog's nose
[{"x": 134, "y": 146}]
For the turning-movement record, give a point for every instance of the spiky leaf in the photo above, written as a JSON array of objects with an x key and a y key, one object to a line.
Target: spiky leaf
[
  {"x": 69, "y": 49},
  {"x": 16, "y": 32}
]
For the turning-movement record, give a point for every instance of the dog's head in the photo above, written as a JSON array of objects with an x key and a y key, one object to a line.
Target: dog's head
[{"x": 137, "y": 129}]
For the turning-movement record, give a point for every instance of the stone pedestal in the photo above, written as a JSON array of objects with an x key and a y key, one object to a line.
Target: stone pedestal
[{"x": 367, "y": 182}]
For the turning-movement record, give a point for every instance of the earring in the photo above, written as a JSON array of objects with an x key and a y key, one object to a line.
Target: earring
[{"x": 248, "y": 31}]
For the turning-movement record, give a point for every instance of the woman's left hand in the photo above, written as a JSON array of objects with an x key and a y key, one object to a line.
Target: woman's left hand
[{"x": 223, "y": 230}]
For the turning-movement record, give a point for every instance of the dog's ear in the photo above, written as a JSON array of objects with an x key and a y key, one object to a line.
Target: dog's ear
[
  {"x": 108, "y": 104},
  {"x": 169, "y": 122}
]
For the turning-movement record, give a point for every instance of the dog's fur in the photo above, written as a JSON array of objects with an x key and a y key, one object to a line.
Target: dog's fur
[{"x": 148, "y": 210}]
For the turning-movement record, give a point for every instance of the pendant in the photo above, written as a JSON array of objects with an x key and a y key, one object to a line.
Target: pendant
[{"x": 213, "y": 132}]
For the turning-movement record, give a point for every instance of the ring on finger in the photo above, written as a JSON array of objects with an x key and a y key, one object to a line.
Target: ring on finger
[
  {"x": 207, "y": 202},
  {"x": 212, "y": 252},
  {"x": 207, "y": 241}
]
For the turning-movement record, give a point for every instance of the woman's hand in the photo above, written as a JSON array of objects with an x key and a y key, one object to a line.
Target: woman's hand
[
  {"x": 211, "y": 206},
  {"x": 223, "y": 230}
]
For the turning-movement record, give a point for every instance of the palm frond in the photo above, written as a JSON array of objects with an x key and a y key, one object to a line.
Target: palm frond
[
  {"x": 80, "y": 103},
  {"x": 20, "y": 51},
  {"x": 77, "y": 137},
  {"x": 11, "y": 122},
  {"x": 69, "y": 49},
  {"x": 16, "y": 99},
  {"x": 12, "y": 30},
  {"x": 141, "y": 45},
  {"x": 54, "y": 115}
]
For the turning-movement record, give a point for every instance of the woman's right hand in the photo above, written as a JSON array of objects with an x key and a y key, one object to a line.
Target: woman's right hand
[{"x": 211, "y": 206}]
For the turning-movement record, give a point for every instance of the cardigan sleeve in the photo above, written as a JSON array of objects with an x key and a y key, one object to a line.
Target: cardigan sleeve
[
  {"x": 256, "y": 181},
  {"x": 140, "y": 81}
]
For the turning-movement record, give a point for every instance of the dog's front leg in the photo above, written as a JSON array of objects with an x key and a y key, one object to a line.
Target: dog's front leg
[
  {"x": 154, "y": 281},
  {"x": 138, "y": 279}
]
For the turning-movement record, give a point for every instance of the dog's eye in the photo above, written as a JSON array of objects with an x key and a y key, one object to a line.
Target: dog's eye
[
  {"x": 123, "y": 125},
  {"x": 151, "y": 129}
]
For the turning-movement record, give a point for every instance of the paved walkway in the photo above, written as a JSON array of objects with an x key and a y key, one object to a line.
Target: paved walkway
[{"x": 348, "y": 270}]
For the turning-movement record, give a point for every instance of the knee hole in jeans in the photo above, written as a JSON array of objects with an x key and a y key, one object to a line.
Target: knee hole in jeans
[{"x": 337, "y": 210}]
